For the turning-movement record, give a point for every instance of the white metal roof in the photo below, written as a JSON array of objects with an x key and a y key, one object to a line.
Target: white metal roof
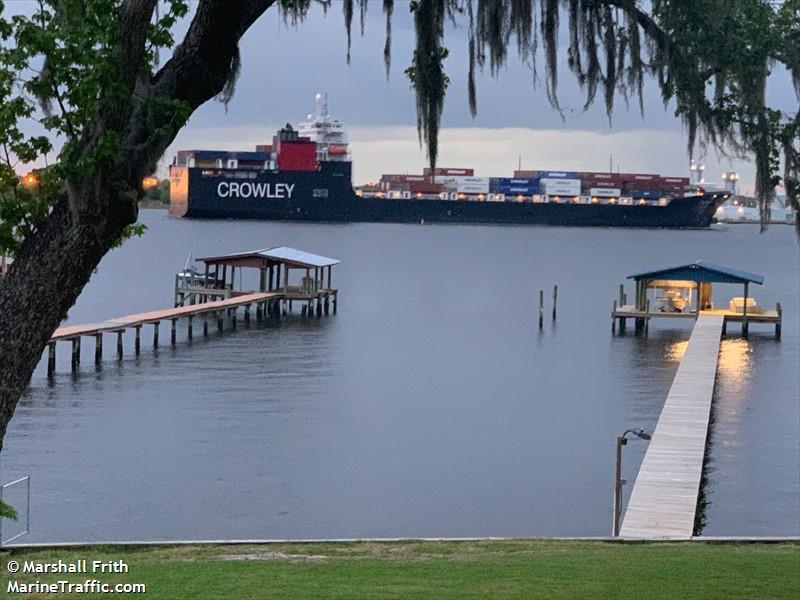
[
  {"x": 282, "y": 253},
  {"x": 299, "y": 256}
]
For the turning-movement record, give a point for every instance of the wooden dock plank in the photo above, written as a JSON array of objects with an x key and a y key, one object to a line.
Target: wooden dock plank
[
  {"x": 72, "y": 331},
  {"x": 664, "y": 497}
]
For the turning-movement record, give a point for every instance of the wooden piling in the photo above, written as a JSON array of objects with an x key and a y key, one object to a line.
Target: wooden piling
[
  {"x": 219, "y": 321},
  {"x": 205, "y": 324},
  {"x": 137, "y": 343},
  {"x": 614, "y": 318},
  {"x": 189, "y": 328},
  {"x": 51, "y": 359},
  {"x": 173, "y": 331},
  {"x": 156, "y": 325},
  {"x": 246, "y": 313},
  {"x": 555, "y": 301},
  {"x": 779, "y": 310},
  {"x": 98, "y": 348},
  {"x": 335, "y": 301},
  {"x": 76, "y": 353},
  {"x": 647, "y": 319},
  {"x": 621, "y": 295},
  {"x": 541, "y": 308},
  {"x": 119, "y": 344}
]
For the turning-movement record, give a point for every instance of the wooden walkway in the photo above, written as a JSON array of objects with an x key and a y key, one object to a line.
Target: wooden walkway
[
  {"x": 155, "y": 316},
  {"x": 266, "y": 303},
  {"x": 664, "y": 497}
]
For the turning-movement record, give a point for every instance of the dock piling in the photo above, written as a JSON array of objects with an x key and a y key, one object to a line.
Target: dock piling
[
  {"x": 246, "y": 313},
  {"x": 76, "y": 353},
  {"x": 621, "y": 295},
  {"x": 541, "y": 308},
  {"x": 219, "y": 321},
  {"x": 98, "y": 348},
  {"x": 137, "y": 343},
  {"x": 155, "y": 333},
  {"x": 555, "y": 301},
  {"x": 173, "y": 328},
  {"x": 190, "y": 327},
  {"x": 119, "y": 344},
  {"x": 614, "y": 318},
  {"x": 51, "y": 359},
  {"x": 779, "y": 310}
]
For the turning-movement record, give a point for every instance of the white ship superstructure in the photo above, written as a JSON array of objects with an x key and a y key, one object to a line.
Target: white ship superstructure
[{"x": 328, "y": 133}]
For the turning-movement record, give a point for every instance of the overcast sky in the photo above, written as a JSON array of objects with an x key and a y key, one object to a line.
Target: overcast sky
[{"x": 284, "y": 66}]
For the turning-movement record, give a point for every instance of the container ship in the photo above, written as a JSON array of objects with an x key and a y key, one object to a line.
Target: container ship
[{"x": 305, "y": 174}]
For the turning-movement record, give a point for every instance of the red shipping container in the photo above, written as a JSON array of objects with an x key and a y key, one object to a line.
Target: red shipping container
[
  {"x": 425, "y": 187},
  {"x": 404, "y": 177},
  {"x": 297, "y": 156},
  {"x": 526, "y": 174}
]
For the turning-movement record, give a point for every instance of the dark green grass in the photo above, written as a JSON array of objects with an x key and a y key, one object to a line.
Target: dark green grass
[{"x": 486, "y": 569}]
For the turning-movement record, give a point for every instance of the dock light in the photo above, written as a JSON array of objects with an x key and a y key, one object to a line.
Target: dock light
[
  {"x": 622, "y": 440},
  {"x": 149, "y": 182},
  {"x": 30, "y": 180}
]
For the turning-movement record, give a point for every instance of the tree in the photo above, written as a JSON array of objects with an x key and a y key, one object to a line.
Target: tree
[{"x": 87, "y": 73}]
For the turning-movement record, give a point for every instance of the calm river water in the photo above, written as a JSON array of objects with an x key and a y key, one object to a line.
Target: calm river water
[{"x": 431, "y": 405}]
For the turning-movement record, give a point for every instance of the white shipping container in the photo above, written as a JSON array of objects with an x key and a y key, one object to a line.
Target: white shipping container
[
  {"x": 572, "y": 186},
  {"x": 473, "y": 188},
  {"x": 605, "y": 192}
]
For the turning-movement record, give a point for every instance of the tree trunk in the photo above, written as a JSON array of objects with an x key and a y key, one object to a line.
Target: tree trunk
[
  {"x": 55, "y": 263},
  {"x": 47, "y": 275}
]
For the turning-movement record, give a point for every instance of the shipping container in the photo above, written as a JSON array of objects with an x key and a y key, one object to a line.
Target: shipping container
[
  {"x": 647, "y": 194},
  {"x": 557, "y": 175},
  {"x": 526, "y": 174},
  {"x": 605, "y": 192},
  {"x": 450, "y": 171},
  {"x": 425, "y": 187},
  {"x": 552, "y": 186}
]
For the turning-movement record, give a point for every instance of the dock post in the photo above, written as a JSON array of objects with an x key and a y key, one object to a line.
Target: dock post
[
  {"x": 614, "y": 318},
  {"x": 724, "y": 326},
  {"x": 98, "y": 348},
  {"x": 246, "y": 313},
  {"x": 233, "y": 318},
  {"x": 621, "y": 295},
  {"x": 76, "y": 353},
  {"x": 335, "y": 301},
  {"x": 172, "y": 332},
  {"x": 319, "y": 306},
  {"x": 119, "y": 344},
  {"x": 155, "y": 333},
  {"x": 205, "y": 324},
  {"x": 327, "y": 305},
  {"x": 647, "y": 319},
  {"x": 779, "y": 310},
  {"x": 190, "y": 327},
  {"x": 137, "y": 344},
  {"x": 258, "y": 310},
  {"x": 541, "y": 308},
  {"x": 744, "y": 313},
  {"x": 219, "y": 321},
  {"x": 555, "y": 301},
  {"x": 51, "y": 359},
  {"x": 624, "y": 299}
]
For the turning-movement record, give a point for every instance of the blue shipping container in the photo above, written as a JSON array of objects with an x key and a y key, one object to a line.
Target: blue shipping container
[
  {"x": 645, "y": 194},
  {"x": 497, "y": 184},
  {"x": 558, "y": 175},
  {"x": 513, "y": 190}
]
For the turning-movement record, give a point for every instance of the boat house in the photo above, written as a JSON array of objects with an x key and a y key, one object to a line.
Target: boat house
[
  {"x": 685, "y": 291},
  {"x": 295, "y": 275}
]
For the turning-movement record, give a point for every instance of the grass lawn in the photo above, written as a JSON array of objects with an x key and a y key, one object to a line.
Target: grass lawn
[{"x": 485, "y": 569}]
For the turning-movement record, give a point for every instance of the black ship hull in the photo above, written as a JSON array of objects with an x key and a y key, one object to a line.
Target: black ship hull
[{"x": 327, "y": 195}]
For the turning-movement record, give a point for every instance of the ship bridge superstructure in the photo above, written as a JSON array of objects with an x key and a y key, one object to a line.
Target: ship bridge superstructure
[{"x": 328, "y": 133}]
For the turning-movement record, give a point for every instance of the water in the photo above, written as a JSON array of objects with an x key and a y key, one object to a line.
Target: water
[{"x": 431, "y": 405}]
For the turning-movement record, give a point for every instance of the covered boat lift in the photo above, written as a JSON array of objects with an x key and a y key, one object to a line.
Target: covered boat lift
[
  {"x": 278, "y": 268},
  {"x": 685, "y": 291}
]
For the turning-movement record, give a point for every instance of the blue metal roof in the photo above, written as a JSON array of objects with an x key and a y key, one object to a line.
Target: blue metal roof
[{"x": 702, "y": 270}]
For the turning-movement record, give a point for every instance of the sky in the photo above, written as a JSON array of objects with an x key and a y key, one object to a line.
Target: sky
[{"x": 284, "y": 66}]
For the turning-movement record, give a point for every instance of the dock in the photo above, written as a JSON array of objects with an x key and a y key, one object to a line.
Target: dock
[
  {"x": 663, "y": 502},
  {"x": 211, "y": 295}
]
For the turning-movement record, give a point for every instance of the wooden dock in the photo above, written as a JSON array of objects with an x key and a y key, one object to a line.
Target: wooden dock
[
  {"x": 265, "y": 303},
  {"x": 664, "y": 498}
]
